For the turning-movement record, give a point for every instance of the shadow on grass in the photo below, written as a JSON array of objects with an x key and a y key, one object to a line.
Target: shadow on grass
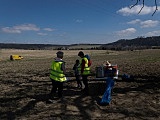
[
  {"x": 96, "y": 89},
  {"x": 142, "y": 83},
  {"x": 11, "y": 102}
]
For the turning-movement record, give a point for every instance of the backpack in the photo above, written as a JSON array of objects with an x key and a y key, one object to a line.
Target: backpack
[{"x": 89, "y": 60}]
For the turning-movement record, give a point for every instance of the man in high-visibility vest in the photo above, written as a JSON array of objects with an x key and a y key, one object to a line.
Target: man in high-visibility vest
[
  {"x": 57, "y": 75},
  {"x": 84, "y": 70}
]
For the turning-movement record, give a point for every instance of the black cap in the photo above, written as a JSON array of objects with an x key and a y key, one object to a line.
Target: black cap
[
  {"x": 59, "y": 53},
  {"x": 80, "y": 53}
]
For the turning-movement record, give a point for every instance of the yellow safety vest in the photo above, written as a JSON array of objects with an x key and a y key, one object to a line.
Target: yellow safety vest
[
  {"x": 56, "y": 72},
  {"x": 86, "y": 68}
]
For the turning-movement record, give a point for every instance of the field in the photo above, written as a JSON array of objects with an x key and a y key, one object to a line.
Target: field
[{"x": 25, "y": 85}]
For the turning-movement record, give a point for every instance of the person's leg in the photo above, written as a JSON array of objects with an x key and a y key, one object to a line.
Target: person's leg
[
  {"x": 54, "y": 86},
  {"x": 77, "y": 80},
  {"x": 54, "y": 89},
  {"x": 60, "y": 89},
  {"x": 79, "y": 84},
  {"x": 85, "y": 82}
]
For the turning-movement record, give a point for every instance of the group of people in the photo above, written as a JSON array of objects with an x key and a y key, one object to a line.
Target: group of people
[{"x": 58, "y": 74}]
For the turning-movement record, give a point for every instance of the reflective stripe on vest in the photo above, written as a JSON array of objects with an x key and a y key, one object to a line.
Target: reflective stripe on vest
[
  {"x": 86, "y": 68},
  {"x": 56, "y": 73}
]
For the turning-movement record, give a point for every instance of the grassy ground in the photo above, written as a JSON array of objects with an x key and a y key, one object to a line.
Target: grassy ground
[{"x": 25, "y": 84}]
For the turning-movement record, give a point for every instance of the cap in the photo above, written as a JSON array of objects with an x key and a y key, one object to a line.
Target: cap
[
  {"x": 59, "y": 53},
  {"x": 80, "y": 53}
]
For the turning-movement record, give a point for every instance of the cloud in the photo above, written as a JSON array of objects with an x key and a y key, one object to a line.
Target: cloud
[
  {"x": 10, "y": 30},
  {"x": 126, "y": 11},
  {"x": 27, "y": 27},
  {"x": 126, "y": 32},
  {"x": 20, "y": 28},
  {"x": 145, "y": 24},
  {"x": 78, "y": 21},
  {"x": 134, "y": 21},
  {"x": 42, "y": 34},
  {"x": 49, "y": 29},
  {"x": 149, "y": 23},
  {"x": 153, "y": 33}
]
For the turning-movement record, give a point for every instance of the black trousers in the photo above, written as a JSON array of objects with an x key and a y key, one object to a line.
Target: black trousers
[
  {"x": 78, "y": 81},
  {"x": 85, "y": 82},
  {"x": 56, "y": 86}
]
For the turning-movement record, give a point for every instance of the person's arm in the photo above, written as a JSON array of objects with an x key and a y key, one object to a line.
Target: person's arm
[
  {"x": 82, "y": 65},
  {"x": 63, "y": 67},
  {"x": 74, "y": 67}
]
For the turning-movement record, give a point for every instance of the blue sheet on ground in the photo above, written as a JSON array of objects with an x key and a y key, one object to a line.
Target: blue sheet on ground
[{"x": 106, "y": 98}]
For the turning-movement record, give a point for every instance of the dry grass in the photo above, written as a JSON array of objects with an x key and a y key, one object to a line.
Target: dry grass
[{"x": 25, "y": 85}]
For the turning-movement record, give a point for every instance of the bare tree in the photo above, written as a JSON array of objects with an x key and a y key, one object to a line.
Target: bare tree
[{"x": 138, "y": 1}]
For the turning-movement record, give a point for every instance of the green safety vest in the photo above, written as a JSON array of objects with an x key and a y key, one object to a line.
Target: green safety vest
[
  {"x": 86, "y": 68},
  {"x": 56, "y": 72}
]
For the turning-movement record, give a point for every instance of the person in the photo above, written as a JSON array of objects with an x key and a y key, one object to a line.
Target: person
[
  {"x": 84, "y": 71},
  {"x": 108, "y": 64},
  {"x": 108, "y": 70},
  {"x": 77, "y": 75},
  {"x": 57, "y": 75}
]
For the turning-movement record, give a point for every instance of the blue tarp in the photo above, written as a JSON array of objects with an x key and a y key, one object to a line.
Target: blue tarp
[{"x": 106, "y": 98}]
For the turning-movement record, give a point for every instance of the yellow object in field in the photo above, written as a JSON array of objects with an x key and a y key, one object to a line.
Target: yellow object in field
[{"x": 15, "y": 57}]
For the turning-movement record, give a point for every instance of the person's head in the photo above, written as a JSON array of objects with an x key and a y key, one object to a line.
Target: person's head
[
  {"x": 60, "y": 54},
  {"x": 77, "y": 61},
  {"x": 81, "y": 54}
]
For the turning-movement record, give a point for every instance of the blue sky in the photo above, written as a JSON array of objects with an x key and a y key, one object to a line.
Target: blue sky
[{"x": 76, "y": 21}]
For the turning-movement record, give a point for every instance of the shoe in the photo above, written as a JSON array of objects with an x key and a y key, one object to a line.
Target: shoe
[
  {"x": 79, "y": 86},
  {"x": 85, "y": 92}
]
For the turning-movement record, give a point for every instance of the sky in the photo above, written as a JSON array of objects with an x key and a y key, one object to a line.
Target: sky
[{"x": 66, "y": 22}]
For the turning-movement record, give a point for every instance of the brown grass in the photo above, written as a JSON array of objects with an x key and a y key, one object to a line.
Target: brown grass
[{"x": 25, "y": 85}]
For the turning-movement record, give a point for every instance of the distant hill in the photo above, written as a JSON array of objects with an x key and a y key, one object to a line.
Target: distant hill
[
  {"x": 48, "y": 46},
  {"x": 137, "y": 43},
  {"x": 123, "y": 44}
]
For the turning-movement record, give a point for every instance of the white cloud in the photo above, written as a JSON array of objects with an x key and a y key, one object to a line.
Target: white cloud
[
  {"x": 20, "y": 28},
  {"x": 134, "y": 21},
  {"x": 126, "y": 32},
  {"x": 153, "y": 33},
  {"x": 145, "y": 24},
  {"x": 126, "y": 11},
  {"x": 49, "y": 29},
  {"x": 27, "y": 27},
  {"x": 78, "y": 21},
  {"x": 149, "y": 23},
  {"x": 42, "y": 34},
  {"x": 10, "y": 30}
]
